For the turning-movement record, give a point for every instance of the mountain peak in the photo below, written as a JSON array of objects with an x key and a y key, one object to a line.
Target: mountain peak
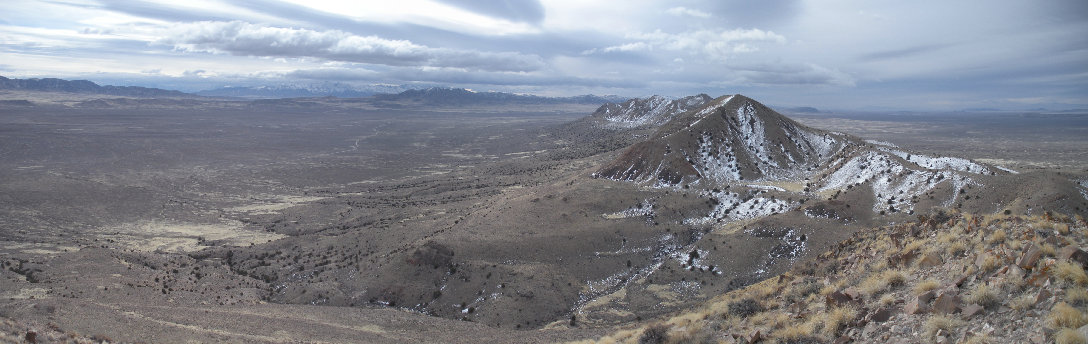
[{"x": 730, "y": 138}]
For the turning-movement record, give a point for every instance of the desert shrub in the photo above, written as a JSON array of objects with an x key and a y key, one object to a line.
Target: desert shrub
[
  {"x": 1023, "y": 302},
  {"x": 984, "y": 296},
  {"x": 1078, "y": 297},
  {"x": 745, "y": 307},
  {"x": 998, "y": 236},
  {"x": 1071, "y": 272},
  {"x": 1064, "y": 315},
  {"x": 837, "y": 319},
  {"x": 941, "y": 323},
  {"x": 926, "y": 285},
  {"x": 656, "y": 334},
  {"x": 1069, "y": 336}
]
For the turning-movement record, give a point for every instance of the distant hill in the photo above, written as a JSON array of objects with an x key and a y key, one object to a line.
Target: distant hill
[
  {"x": 85, "y": 86},
  {"x": 461, "y": 96}
]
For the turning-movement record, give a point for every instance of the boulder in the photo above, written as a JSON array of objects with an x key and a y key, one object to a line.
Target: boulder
[
  {"x": 1030, "y": 256},
  {"x": 1074, "y": 254},
  {"x": 947, "y": 303},
  {"x": 915, "y": 307},
  {"x": 971, "y": 309},
  {"x": 837, "y": 299},
  {"x": 880, "y": 315},
  {"x": 929, "y": 260}
]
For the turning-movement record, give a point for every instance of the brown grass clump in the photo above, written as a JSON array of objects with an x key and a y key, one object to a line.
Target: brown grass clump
[
  {"x": 1064, "y": 315},
  {"x": 1077, "y": 297},
  {"x": 998, "y": 236},
  {"x": 984, "y": 296},
  {"x": 1072, "y": 273},
  {"x": 1069, "y": 336},
  {"x": 878, "y": 283},
  {"x": 941, "y": 323},
  {"x": 838, "y": 318},
  {"x": 1023, "y": 302},
  {"x": 797, "y": 333},
  {"x": 926, "y": 285}
]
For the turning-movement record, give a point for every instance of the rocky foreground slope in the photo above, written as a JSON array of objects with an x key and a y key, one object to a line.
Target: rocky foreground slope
[{"x": 946, "y": 278}]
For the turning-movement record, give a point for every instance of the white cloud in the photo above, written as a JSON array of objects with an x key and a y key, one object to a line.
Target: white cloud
[
  {"x": 684, "y": 11},
  {"x": 711, "y": 44},
  {"x": 241, "y": 38}
]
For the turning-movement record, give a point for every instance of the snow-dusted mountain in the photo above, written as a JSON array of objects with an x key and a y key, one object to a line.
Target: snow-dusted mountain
[{"x": 651, "y": 111}]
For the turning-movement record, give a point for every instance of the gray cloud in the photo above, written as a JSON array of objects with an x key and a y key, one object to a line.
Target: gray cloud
[
  {"x": 529, "y": 11},
  {"x": 901, "y": 53},
  {"x": 457, "y": 77},
  {"x": 241, "y": 38}
]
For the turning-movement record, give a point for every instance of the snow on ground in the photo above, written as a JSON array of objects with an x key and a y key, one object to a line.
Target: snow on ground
[
  {"x": 1003, "y": 168},
  {"x": 717, "y": 160},
  {"x": 645, "y": 208},
  {"x": 882, "y": 143},
  {"x": 731, "y": 207},
  {"x": 940, "y": 163},
  {"x": 893, "y": 184}
]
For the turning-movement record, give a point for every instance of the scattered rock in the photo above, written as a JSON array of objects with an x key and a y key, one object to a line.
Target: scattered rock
[
  {"x": 925, "y": 297},
  {"x": 844, "y": 340},
  {"x": 915, "y": 307},
  {"x": 853, "y": 293},
  {"x": 971, "y": 310},
  {"x": 837, "y": 299},
  {"x": 754, "y": 337},
  {"x": 929, "y": 260},
  {"x": 943, "y": 340},
  {"x": 880, "y": 315},
  {"x": 1074, "y": 254},
  {"x": 31, "y": 337},
  {"x": 1083, "y": 331},
  {"x": 1031, "y": 256},
  {"x": 946, "y": 302},
  {"x": 1042, "y": 296}
]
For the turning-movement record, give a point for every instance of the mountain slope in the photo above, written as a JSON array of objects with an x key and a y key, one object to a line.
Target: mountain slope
[
  {"x": 732, "y": 138},
  {"x": 84, "y": 86}
]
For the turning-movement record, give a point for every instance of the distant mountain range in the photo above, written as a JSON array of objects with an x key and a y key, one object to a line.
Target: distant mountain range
[
  {"x": 302, "y": 91},
  {"x": 85, "y": 86},
  {"x": 461, "y": 96}
]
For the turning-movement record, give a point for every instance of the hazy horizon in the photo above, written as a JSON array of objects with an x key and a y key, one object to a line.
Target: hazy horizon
[{"x": 829, "y": 55}]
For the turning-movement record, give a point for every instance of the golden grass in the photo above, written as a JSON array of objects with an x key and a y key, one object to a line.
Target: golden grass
[
  {"x": 1077, "y": 297},
  {"x": 878, "y": 283},
  {"x": 1064, "y": 315},
  {"x": 795, "y": 332},
  {"x": 837, "y": 318},
  {"x": 998, "y": 236},
  {"x": 1071, "y": 272},
  {"x": 926, "y": 285},
  {"x": 942, "y": 323},
  {"x": 1069, "y": 336},
  {"x": 984, "y": 296}
]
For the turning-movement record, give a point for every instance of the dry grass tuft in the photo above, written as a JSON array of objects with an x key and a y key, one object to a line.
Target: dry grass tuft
[
  {"x": 1071, "y": 272},
  {"x": 1022, "y": 303},
  {"x": 1069, "y": 336},
  {"x": 984, "y": 296},
  {"x": 837, "y": 319},
  {"x": 926, "y": 285},
  {"x": 1078, "y": 297},
  {"x": 941, "y": 323},
  {"x": 796, "y": 333},
  {"x": 878, "y": 283},
  {"x": 998, "y": 237},
  {"x": 1064, "y": 315}
]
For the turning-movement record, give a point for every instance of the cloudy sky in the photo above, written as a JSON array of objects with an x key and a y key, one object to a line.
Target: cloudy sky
[{"x": 861, "y": 54}]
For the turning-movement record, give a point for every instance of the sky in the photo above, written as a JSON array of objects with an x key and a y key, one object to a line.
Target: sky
[{"x": 833, "y": 54}]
